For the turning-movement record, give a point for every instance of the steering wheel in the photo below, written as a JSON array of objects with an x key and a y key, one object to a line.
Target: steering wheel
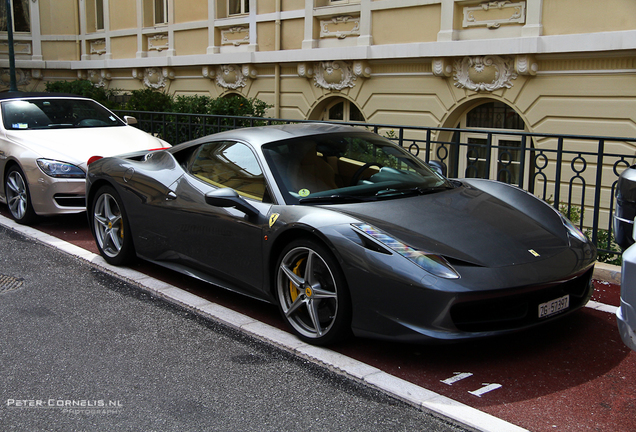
[{"x": 356, "y": 176}]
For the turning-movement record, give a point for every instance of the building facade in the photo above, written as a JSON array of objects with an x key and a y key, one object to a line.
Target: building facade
[{"x": 544, "y": 66}]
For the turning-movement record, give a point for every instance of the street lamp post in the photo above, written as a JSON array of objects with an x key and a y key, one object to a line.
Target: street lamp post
[{"x": 13, "y": 84}]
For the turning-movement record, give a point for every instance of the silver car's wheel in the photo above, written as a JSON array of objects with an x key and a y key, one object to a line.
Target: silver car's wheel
[
  {"x": 312, "y": 293},
  {"x": 110, "y": 227},
  {"x": 18, "y": 198}
]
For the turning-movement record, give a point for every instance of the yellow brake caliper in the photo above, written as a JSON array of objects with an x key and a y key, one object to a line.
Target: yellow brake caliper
[{"x": 293, "y": 291}]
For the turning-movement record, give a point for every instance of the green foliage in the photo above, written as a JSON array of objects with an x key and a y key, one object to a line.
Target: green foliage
[
  {"x": 158, "y": 101},
  {"x": 605, "y": 242},
  {"x": 149, "y": 100},
  {"x": 603, "y": 238},
  {"x": 194, "y": 104},
  {"x": 390, "y": 134},
  {"x": 238, "y": 106},
  {"x": 85, "y": 88}
]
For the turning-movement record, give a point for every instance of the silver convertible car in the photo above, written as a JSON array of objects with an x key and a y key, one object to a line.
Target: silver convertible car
[
  {"x": 345, "y": 231},
  {"x": 46, "y": 140}
]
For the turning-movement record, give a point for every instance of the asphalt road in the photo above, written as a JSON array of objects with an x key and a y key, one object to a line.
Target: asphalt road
[{"x": 82, "y": 350}]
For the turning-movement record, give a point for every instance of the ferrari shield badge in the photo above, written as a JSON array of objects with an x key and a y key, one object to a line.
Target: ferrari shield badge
[{"x": 273, "y": 218}]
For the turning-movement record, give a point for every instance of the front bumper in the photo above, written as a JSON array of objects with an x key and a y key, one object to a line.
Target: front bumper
[
  {"x": 50, "y": 196},
  {"x": 625, "y": 314}
]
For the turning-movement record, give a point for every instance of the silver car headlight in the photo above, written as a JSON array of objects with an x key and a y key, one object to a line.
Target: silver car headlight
[
  {"x": 432, "y": 263},
  {"x": 59, "y": 169}
]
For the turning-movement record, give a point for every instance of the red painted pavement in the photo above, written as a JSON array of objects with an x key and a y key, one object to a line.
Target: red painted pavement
[{"x": 571, "y": 375}]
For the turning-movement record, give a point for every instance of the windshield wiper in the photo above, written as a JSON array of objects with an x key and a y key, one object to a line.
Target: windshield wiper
[
  {"x": 411, "y": 191},
  {"x": 60, "y": 125},
  {"x": 335, "y": 199}
]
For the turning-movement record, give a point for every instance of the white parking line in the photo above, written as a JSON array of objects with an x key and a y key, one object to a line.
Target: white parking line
[
  {"x": 458, "y": 377},
  {"x": 408, "y": 392}
]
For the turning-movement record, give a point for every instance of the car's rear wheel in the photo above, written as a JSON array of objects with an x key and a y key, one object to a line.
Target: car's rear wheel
[
  {"x": 110, "y": 227},
  {"x": 16, "y": 191},
  {"x": 312, "y": 293}
]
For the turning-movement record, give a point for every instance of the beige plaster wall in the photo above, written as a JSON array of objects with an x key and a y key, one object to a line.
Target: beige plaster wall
[
  {"x": 189, "y": 10},
  {"x": 122, "y": 14},
  {"x": 266, "y": 36},
  {"x": 292, "y": 34},
  {"x": 265, "y": 6},
  {"x": 67, "y": 50},
  {"x": 59, "y": 17},
  {"x": 289, "y": 5},
  {"x": 189, "y": 42},
  {"x": 404, "y": 25},
  {"x": 587, "y": 16},
  {"x": 123, "y": 47}
]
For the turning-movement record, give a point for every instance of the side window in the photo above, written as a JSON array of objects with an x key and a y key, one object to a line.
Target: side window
[{"x": 230, "y": 164}]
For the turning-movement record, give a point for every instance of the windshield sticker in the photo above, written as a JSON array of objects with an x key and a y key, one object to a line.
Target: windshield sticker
[
  {"x": 304, "y": 192},
  {"x": 112, "y": 118},
  {"x": 20, "y": 126}
]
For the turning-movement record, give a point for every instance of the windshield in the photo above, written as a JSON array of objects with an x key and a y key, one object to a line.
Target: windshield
[
  {"x": 56, "y": 113},
  {"x": 348, "y": 168}
]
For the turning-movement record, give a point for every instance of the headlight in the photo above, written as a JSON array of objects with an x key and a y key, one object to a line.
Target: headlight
[
  {"x": 58, "y": 169},
  {"x": 573, "y": 231},
  {"x": 434, "y": 264}
]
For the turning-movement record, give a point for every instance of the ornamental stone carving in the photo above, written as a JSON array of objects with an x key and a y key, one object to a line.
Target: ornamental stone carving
[
  {"x": 526, "y": 65},
  {"x": 22, "y": 77},
  {"x": 97, "y": 46},
  {"x": 230, "y": 76},
  {"x": 156, "y": 78},
  {"x": 235, "y": 36},
  {"x": 442, "y": 67},
  {"x": 305, "y": 70},
  {"x": 340, "y": 27},
  {"x": 494, "y": 13},
  {"x": 97, "y": 77},
  {"x": 362, "y": 69},
  {"x": 484, "y": 73},
  {"x": 158, "y": 42},
  {"x": 19, "y": 47},
  {"x": 334, "y": 75}
]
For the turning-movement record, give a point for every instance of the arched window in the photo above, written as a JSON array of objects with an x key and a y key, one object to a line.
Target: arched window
[
  {"x": 340, "y": 109},
  {"x": 503, "y": 158}
]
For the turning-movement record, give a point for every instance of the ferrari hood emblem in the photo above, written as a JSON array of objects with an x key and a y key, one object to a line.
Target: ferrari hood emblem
[
  {"x": 273, "y": 218},
  {"x": 534, "y": 252}
]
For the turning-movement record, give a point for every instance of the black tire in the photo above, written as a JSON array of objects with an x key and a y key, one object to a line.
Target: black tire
[
  {"x": 312, "y": 293},
  {"x": 18, "y": 197},
  {"x": 110, "y": 227}
]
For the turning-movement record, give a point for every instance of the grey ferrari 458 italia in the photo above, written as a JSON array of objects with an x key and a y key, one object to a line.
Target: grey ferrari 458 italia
[{"x": 345, "y": 231}]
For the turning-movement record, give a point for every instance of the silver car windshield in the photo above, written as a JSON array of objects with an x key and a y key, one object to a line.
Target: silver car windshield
[
  {"x": 343, "y": 168},
  {"x": 54, "y": 113}
]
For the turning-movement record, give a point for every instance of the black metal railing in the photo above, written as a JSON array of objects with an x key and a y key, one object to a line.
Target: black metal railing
[{"x": 577, "y": 174}]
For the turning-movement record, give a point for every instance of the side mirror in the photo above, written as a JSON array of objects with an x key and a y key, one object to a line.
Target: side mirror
[
  {"x": 227, "y": 197},
  {"x": 130, "y": 120},
  {"x": 438, "y": 166}
]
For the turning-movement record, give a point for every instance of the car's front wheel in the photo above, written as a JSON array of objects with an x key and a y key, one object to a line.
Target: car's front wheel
[
  {"x": 312, "y": 293},
  {"x": 16, "y": 191},
  {"x": 110, "y": 227}
]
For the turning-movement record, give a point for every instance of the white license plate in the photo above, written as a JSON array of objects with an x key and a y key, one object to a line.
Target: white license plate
[{"x": 554, "y": 306}]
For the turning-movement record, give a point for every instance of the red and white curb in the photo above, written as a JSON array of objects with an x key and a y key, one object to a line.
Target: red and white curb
[{"x": 412, "y": 394}]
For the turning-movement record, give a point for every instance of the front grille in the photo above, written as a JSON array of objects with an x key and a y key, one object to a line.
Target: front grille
[
  {"x": 491, "y": 311},
  {"x": 70, "y": 200}
]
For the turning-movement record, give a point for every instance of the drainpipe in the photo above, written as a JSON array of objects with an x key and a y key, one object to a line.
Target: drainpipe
[
  {"x": 277, "y": 45},
  {"x": 13, "y": 84}
]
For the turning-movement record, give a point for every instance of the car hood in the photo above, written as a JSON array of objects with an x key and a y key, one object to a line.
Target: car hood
[
  {"x": 470, "y": 225},
  {"x": 76, "y": 146}
]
